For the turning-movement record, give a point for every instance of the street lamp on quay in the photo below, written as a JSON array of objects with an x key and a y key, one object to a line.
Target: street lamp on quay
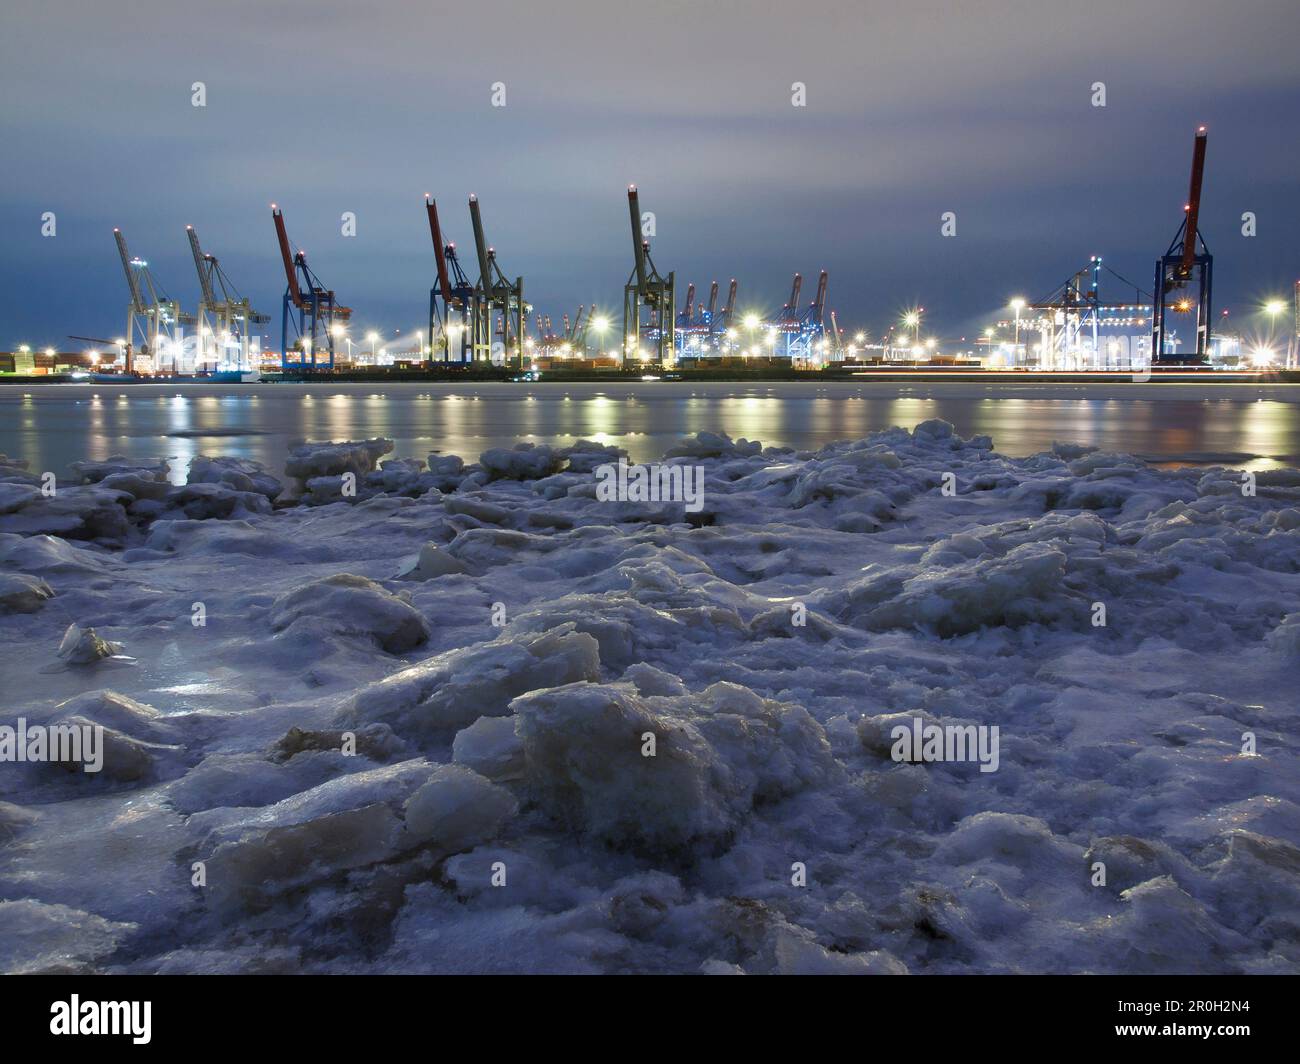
[
  {"x": 338, "y": 332},
  {"x": 1017, "y": 305},
  {"x": 912, "y": 319},
  {"x": 1273, "y": 308}
]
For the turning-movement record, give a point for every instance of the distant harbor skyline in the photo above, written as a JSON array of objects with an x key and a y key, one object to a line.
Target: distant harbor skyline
[{"x": 776, "y": 153}]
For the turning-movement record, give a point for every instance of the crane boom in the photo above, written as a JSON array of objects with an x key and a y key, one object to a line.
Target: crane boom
[
  {"x": 439, "y": 252},
  {"x": 794, "y": 292},
  {"x": 480, "y": 244},
  {"x": 205, "y": 278},
  {"x": 820, "y": 301},
  {"x": 1194, "y": 201},
  {"x": 730, "y": 312},
  {"x": 137, "y": 304},
  {"x": 713, "y": 299},
  {"x": 690, "y": 299},
  {"x": 638, "y": 243},
  {"x": 286, "y": 253}
]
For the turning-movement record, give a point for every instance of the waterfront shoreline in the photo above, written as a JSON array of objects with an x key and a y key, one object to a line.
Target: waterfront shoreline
[{"x": 1180, "y": 376}]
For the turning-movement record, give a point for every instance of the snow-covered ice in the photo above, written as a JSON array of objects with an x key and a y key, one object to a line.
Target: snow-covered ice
[{"x": 403, "y": 714}]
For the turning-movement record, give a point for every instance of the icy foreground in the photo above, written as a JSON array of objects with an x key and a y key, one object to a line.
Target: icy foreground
[{"x": 392, "y": 715}]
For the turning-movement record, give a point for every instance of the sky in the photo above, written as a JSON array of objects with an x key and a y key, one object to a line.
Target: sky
[{"x": 911, "y": 110}]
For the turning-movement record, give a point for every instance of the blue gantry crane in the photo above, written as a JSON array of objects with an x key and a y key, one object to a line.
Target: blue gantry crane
[
  {"x": 309, "y": 306},
  {"x": 802, "y": 331},
  {"x": 722, "y": 324}
]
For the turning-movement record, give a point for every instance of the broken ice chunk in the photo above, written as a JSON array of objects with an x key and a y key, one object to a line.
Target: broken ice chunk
[
  {"x": 81, "y": 646},
  {"x": 432, "y": 561},
  {"x": 491, "y": 748}
]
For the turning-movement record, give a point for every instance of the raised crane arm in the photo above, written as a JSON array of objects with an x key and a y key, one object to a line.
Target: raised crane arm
[
  {"x": 480, "y": 244},
  {"x": 820, "y": 301},
  {"x": 205, "y": 277},
  {"x": 1194, "y": 202},
  {"x": 286, "y": 253},
  {"x": 137, "y": 304},
  {"x": 439, "y": 252},
  {"x": 638, "y": 243}
]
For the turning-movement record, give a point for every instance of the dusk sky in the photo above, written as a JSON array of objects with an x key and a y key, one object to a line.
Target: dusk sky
[{"x": 912, "y": 110}]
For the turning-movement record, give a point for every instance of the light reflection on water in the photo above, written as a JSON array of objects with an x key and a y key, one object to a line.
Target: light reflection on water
[{"x": 54, "y": 425}]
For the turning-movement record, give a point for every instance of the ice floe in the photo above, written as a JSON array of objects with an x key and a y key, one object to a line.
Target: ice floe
[{"x": 409, "y": 714}]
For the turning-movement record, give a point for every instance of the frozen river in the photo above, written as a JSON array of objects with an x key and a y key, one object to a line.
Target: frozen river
[
  {"x": 1113, "y": 797},
  {"x": 1252, "y": 426}
]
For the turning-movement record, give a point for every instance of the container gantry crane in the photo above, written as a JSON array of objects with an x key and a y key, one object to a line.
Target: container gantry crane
[
  {"x": 1183, "y": 277},
  {"x": 707, "y": 317},
  {"x": 225, "y": 318},
  {"x": 790, "y": 312},
  {"x": 1069, "y": 319},
  {"x": 684, "y": 318},
  {"x": 647, "y": 290},
  {"x": 699, "y": 331},
  {"x": 494, "y": 292},
  {"x": 309, "y": 306},
  {"x": 451, "y": 299},
  {"x": 803, "y": 330},
  {"x": 156, "y": 320},
  {"x": 808, "y": 342},
  {"x": 725, "y": 322},
  {"x": 581, "y": 324}
]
